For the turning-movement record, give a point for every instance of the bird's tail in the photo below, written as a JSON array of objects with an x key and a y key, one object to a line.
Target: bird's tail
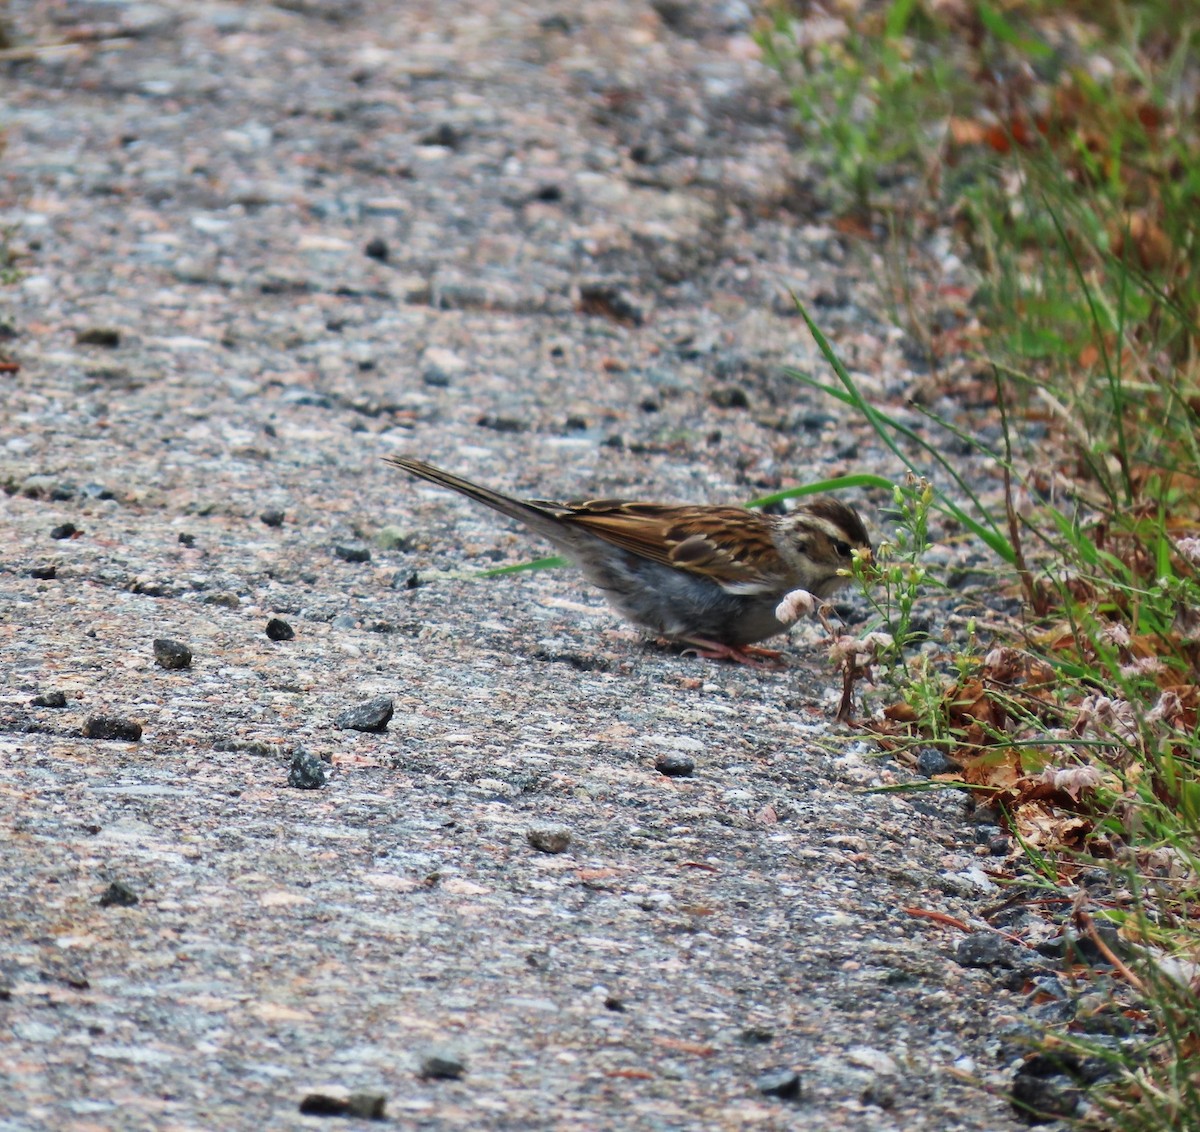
[{"x": 541, "y": 517}]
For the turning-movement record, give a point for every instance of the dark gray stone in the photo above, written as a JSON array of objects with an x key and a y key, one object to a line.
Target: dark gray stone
[
  {"x": 782, "y": 1083},
  {"x": 171, "y": 654},
  {"x": 373, "y": 715},
  {"x": 442, "y": 1063},
  {"x": 675, "y": 764},
  {"x": 280, "y": 630},
  {"x": 931, "y": 761},
  {"x": 307, "y": 772},
  {"x": 50, "y": 700},
  {"x": 120, "y": 894},
  {"x": 549, "y": 840},
  {"x": 112, "y": 727}
]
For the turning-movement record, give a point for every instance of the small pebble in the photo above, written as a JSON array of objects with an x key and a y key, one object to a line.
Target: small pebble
[
  {"x": 352, "y": 552},
  {"x": 729, "y": 397},
  {"x": 376, "y": 249},
  {"x": 373, "y": 715},
  {"x": 308, "y": 772},
  {"x": 44, "y": 571},
  {"x": 394, "y": 538},
  {"x": 172, "y": 654},
  {"x": 784, "y": 1083},
  {"x": 442, "y": 1064},
  {"x": 112, "y": 727},
  {"x": 989, "y": 951},
  {"x": 280, "y": 630},
  {"x": 756, "y": 1036},
  {"x": 186, "y": 540},
  {"x": 501, "y": 424},
  {"x": 99, "y": 336},
  {"x": 50, "y": 699},
  {"x": 367, "y": 1106},
  {"x": 675, "y": 764},
  {"x": 363, "y": 1106},
  {"x": 65, "y": 530},
  {"x": 273, "y": 517},
  {"x": 547, "y": 840},
  {"x": 120, "y": 894},
  {"x": 931, "y": 761},
  {"x": 223, "y": 598}
]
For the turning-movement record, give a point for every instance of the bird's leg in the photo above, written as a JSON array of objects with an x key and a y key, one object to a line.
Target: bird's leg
[{"x": 750, "y": 655}]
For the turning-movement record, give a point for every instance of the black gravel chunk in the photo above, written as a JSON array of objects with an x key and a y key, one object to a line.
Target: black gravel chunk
[
  {"x": 325, "y": 1104},
  {"x": 373, "y": 715},
  {"x": 376, "y": 249},
  {"x": 931, "y": 761},
  {"x": 308, "y": 772},
  {"x": 50, "y": 700},
  {"x": 172, "y": 654},
  {"x": 120, "y": 894},
  {"x": 611, "y": 301},
  {"x": 1050, "y": 1086},
  {"x": 99, "y": 336},
  {"x": 186, "y": 539},
  {"x": 756, "y": 1036},
  {"x": 729, "y": 397},
  {"x": 280, "y": 630},
  {"x": 1083, "y": 948},
  {"x": 112, "y": 727},
  {"x": 44, "y": 571},
  {"x": 783, "y": 1083},
  {"x": 361, "y": 1106},
  {"x": 1010, "y": 965},
  {"x": 65, "y": 530},
  {"x": 675, "y": 765},
  {"x": 442, "y": 1064},
  {"x": 501, "y": 424},
  {"x": 352, "y": 552},
  {"x": 273, "y": 517}
]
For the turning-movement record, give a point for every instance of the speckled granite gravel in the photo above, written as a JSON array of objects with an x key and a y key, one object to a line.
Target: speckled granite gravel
[{"x": 547, "y": 245}]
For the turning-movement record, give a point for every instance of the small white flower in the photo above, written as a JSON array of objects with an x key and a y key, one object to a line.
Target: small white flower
[
  {"x": 1105, "y": 716},
  {"x": 797, "y": 604},
  {"x": 1073, "y": 780},
  {"x": 1168, "y": 709},
  {"x": 1143, "y": 666},
  {"x": 1117, "y": 634},
  {"x": 858, "y": 651},
  {"x": 1189, "y": 549}
]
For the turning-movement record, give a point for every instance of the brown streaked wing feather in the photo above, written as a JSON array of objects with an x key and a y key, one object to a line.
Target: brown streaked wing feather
[{"x": 726, "y": 544}]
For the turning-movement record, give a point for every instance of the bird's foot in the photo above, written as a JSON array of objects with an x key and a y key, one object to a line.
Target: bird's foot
[{"x": 750, "y": 655}]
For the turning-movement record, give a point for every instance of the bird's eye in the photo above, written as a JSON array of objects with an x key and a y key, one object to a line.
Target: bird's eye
[{"x": 842, "y": 548}]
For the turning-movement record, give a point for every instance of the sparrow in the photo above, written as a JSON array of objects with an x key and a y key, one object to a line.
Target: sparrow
[{"x": 707, "y": 577}]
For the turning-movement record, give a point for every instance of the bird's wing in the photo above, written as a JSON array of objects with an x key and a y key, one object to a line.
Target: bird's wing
[{"x": 727, "y": 545}]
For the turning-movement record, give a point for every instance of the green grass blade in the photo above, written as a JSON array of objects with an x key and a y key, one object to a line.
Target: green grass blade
[
  {"x": 863, "y": 479},
  {"x": 551, "y": 563}
]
